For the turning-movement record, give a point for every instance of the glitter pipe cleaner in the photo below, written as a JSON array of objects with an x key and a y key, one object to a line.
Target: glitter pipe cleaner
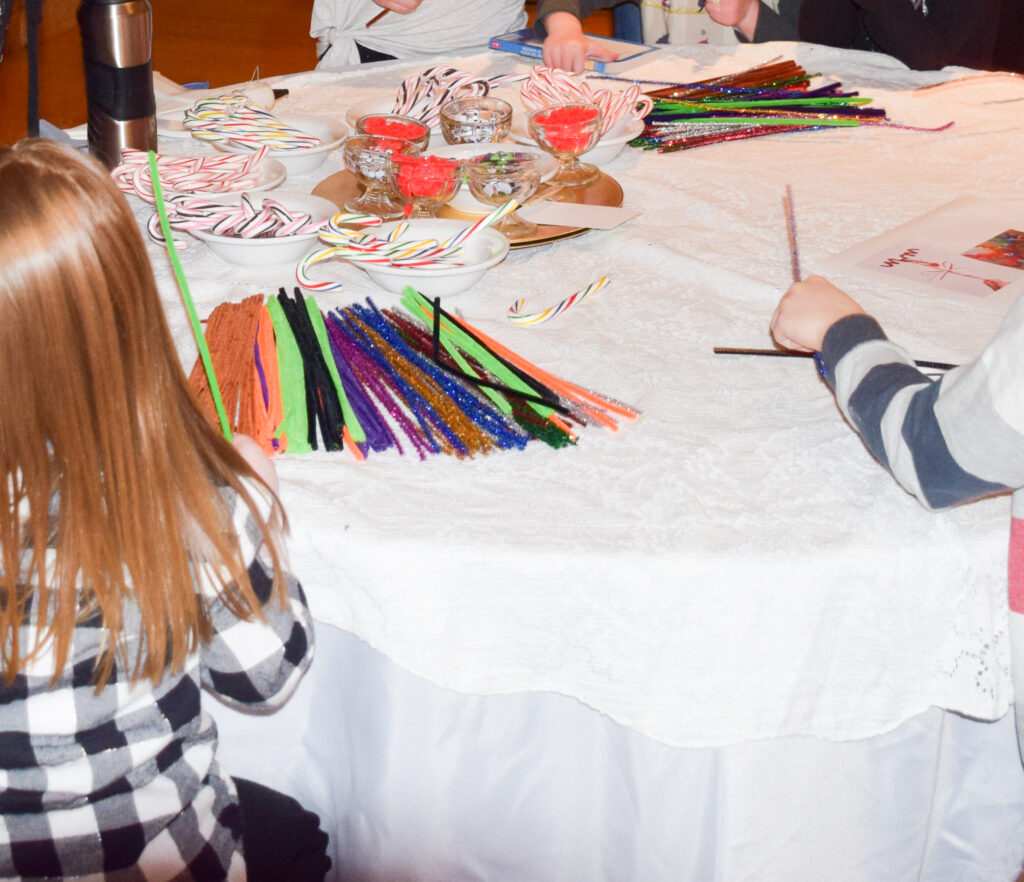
[
  {"x": 589, "y": 403},
  {"x": 670, "y": 145},
  {"x": 429, "y": 420},
  {"x": 794, "y": 256},
  {"x": 516, "y": 315},
  {"x": 372, "y": 381},
  {"x": 563, "y": 387},
  {"x": 404, "y": 398},
  {"x": 379, "y": 436},
  {"x": 794, "y": 252},
  {"x": 190, "y": 307},
  {"x": 447, "y": 334},
  {"x": 517, "y": 405},
  {"x": 488, "y": 421},
  {"x": 482, "y": 414},
  {"x": 416, "y": 329},
  {"x": 516, "y": 410},
  {"x": 538, "y": 397}
]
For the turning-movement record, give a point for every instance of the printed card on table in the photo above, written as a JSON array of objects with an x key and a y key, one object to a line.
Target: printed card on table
[{"x": 970, "y": 250}]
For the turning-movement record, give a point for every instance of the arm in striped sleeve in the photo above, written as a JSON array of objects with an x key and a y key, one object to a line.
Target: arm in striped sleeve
[{"x": 947, "y": 442}]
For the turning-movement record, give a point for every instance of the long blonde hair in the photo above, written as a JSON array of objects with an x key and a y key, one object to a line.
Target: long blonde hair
[{"x": 96, "y": 413}]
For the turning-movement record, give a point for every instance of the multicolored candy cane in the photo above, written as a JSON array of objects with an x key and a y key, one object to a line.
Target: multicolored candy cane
[
  {"x": 360, "y": 247},
  {"x": 237, "y": 120},
  {"x": 460, "y": 237},
  {"x": 518, "y": 317}
]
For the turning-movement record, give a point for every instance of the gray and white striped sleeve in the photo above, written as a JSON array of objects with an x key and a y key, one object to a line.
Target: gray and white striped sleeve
[{"x": 947, "y": 441}]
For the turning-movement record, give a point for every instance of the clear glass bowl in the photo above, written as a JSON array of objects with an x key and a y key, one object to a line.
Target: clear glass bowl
[
  {"x": 494, "y": 178},
  {"x": 367, "y": 157},
  {"x": 566, "y": 131},
  {"x": 391, "y": 125},
  {"x": 424, "y": 182},
  {"x": 475, "y": 120}
]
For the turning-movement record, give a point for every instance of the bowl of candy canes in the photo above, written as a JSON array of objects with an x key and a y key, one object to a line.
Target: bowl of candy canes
[
  {"x": 421, "y": 96},
  {"x": 222, "y": 177},
  {"x": 437, "y": 257},
  {"x": 235, "y": 124},
  {"x": 622, "y": 111},
  {"x": 256, "y": 230}
]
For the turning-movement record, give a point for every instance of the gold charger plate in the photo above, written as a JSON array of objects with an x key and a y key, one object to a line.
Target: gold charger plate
[{"x": 603, "y": 190}]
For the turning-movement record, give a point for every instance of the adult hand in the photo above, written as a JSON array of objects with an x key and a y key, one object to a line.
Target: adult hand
[
  {"x": 567, "y": 47},
  {"x": 402, "y": 7},
  {"x": 257, "y": 459},
  {"x": 807, "y": 310},
  {"x": 739, "y": 14}
]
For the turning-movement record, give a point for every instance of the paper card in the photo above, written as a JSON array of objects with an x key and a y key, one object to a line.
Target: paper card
[
  {"x": 574, "y": 214},
  {"x": 970, "y": 250}
]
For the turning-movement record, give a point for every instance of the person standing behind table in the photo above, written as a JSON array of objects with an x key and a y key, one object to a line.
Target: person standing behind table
[
  {"x": 949, "y": 441},
  {"x": 140, "y": 559},
  {"x": 923, "y": 34},
  {"x": 409, "y": 28},
  {"x": 679, "y": 22}
]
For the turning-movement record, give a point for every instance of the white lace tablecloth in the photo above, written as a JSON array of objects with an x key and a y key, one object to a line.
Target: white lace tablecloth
[{"x": 734, "y": 565}]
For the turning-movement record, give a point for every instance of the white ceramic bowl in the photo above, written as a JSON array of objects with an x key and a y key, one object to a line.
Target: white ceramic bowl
[
  {"x": 276, "y": 249},
  {"x": 464, "y": 200},
  {"x": 603, "y": 152},
  {"x": 483, "y": 250},
  {"x": 331, "y": 133}
]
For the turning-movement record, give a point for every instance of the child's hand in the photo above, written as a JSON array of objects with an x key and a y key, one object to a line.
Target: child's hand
[
  {"x": 807, "y": 310},
  {"x": 256, "y": 458},
  {"x": 567, "y": 47},
  {"x": 739, "y": 14}
]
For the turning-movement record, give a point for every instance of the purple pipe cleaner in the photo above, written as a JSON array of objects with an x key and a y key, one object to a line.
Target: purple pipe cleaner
[{"x": 378, "y": 436}]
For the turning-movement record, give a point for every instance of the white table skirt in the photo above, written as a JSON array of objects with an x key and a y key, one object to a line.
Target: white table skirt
[{"x": 415, "y": 783}]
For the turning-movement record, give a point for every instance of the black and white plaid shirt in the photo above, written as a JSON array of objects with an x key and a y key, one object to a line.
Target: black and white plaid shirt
[{"x": 124, "y": 784}]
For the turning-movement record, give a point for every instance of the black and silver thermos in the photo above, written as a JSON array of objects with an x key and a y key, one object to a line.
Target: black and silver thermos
[{"x": 117, "y": 44}]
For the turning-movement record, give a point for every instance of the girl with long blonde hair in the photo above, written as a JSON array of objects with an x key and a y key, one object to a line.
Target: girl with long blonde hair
[{"x": 140, "y": 556}]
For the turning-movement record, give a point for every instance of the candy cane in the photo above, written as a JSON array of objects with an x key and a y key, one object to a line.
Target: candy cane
[
  {"x": 495, "y": 216},
  {"x": 237, "y": 120},
  {"x": 546, "y": 86},
  {"x": 518, "y": 317},
  {"x": 183, "y": 174},
  {"x": 244, "y": 221},
  {"x": 361, "y": 247},
  {"x": 421, "y": 96}
]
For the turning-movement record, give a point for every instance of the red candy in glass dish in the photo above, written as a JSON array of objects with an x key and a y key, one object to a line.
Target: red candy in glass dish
[
  {"x": 567, "y": 130},
  {"x": 426, "y": 182},
  {"x": 390, "y": 125}
]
